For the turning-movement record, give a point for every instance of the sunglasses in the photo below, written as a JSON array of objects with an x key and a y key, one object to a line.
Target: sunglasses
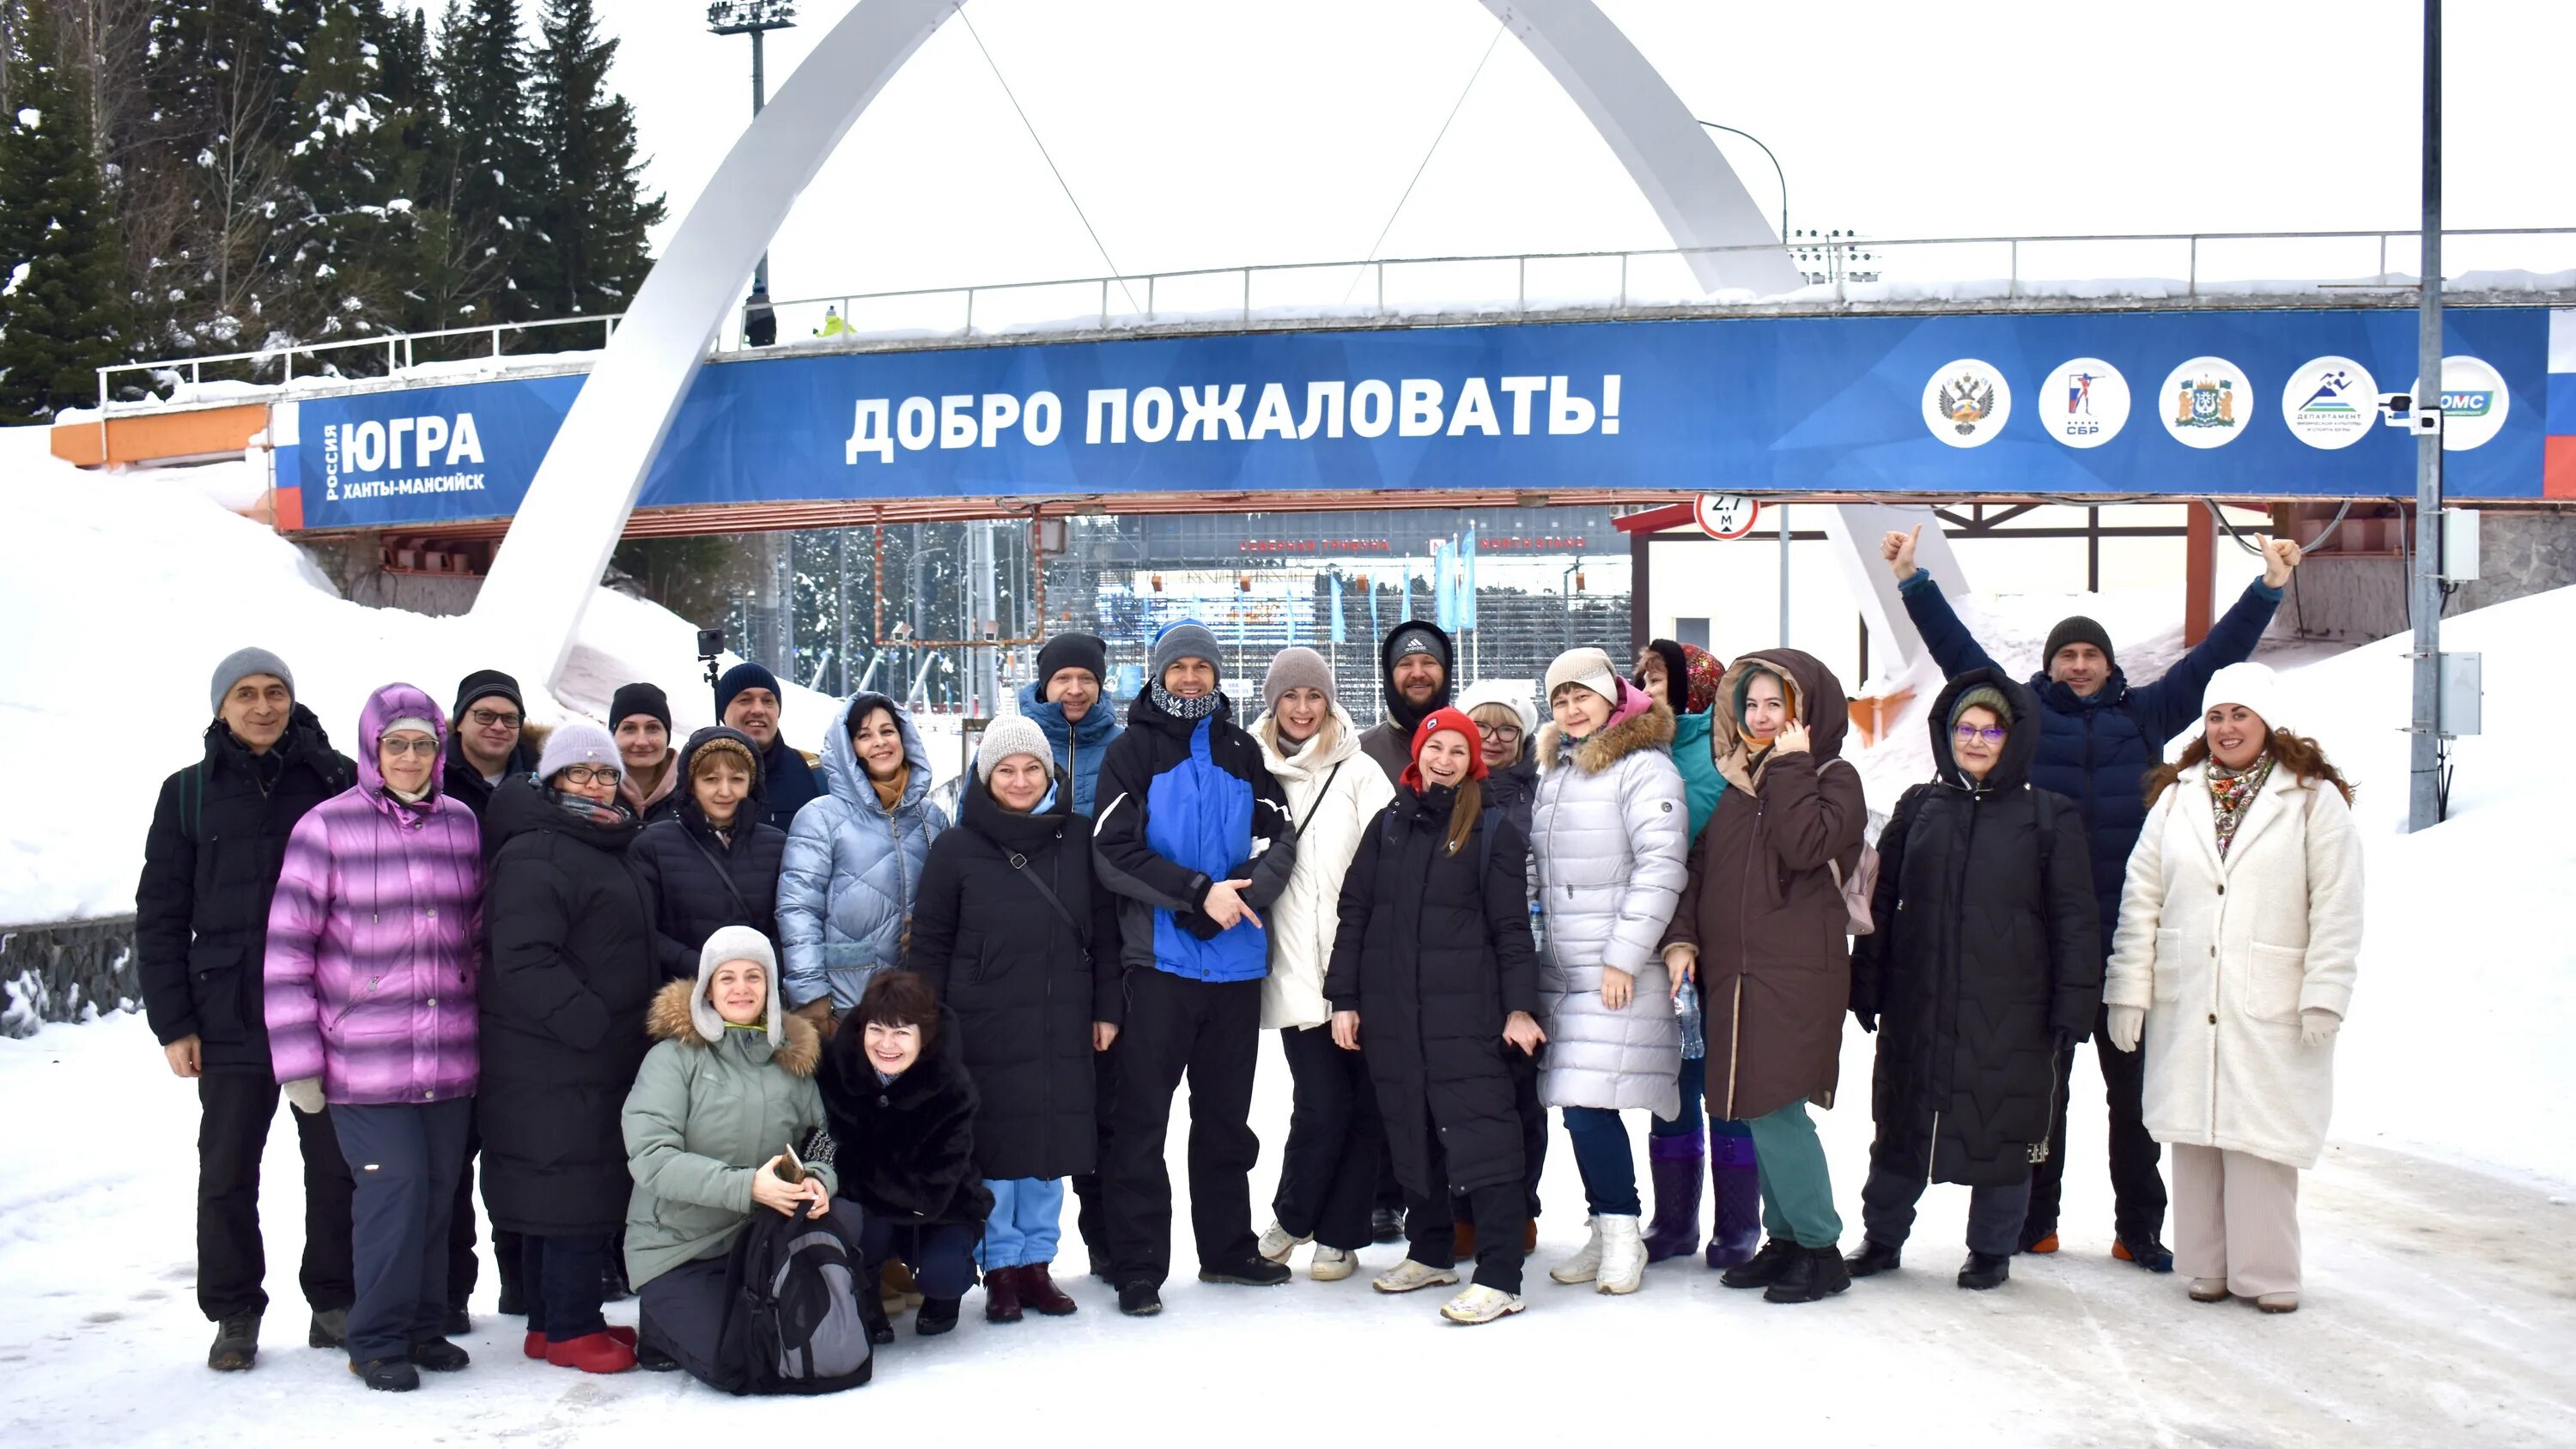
[{"x": 413, "y": 746}]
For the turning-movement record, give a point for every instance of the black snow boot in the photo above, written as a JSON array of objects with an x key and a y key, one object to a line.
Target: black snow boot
[
  {"x": 1984, "y": 1270},
  {"x": 330, "y": 1328},
  {"x": 438, "y": 1356},
  {"x": 2145, "y": 1251},
  {"x": 1140, "y": 1299},
  {"x": 1815, "y": 1275},
  {"x": 872, "y": 1314},
  {"x": 1386, "y": 1225},
  {"x": 1254, "y": 1272},
  {"x": 1760, "y": 1270},
  {"x": 1874, "y": 1258},
  {"x": 935, "y": 1316},
  {"x": 236, "y": 1344},
  {"x": 392, "y": 1375}
]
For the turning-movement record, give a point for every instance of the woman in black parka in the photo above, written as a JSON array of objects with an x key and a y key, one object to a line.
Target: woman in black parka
[
  {"x": 1984, "y": 965},
  {"x": 1013, "y": 934},
  {"x": 712, "y": 861},
  {"x": 1434, "y": 973},
  {"x": 568, "y": 978}
]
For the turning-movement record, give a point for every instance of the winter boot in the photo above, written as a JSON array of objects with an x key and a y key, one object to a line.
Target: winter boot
[
  {"x": 1254, "y": 1272},
  {"x": 392, "y": 1375},
  {"x": 872, "y": 1316},
  {"x": 457, "y": 1323},
  {"x": 1984, "y": 1270},
  {"x": 1001, "y": 1295},
  {"x": 1038, "y": 1290},
  {"x": 2208, "y": 1290},
  {"x": 1874, "y": 1258},
  {"x": 894, "y": 1280},
  {"x": 1386, "y": 1225},
  {"x": 592, "y": 1353},
  {"x": 2144, "y": 1251},
  {"x": 1140, "y": 1299},
  {"x": 1409, "y": 1276},
  {"x": 1585, "y": 1265},
  {"x": 2277, "y": 1302},
  {"x": 236, "y": 1344},
  {"x": 1736, "y": 1182},
  {"x": 438, "y": 1356},
  {"x": 1277, "y": 1242},
  {"x": 1763, "y": 1268},
  {"x": 1480, "y": 1304},
  {"x": 1676, "y": 1164},
  {"x": 1623, "y": 1255},
  {"x": 1331, "y": 1265},
  {"x": 935, "y": 1316},
  {"x": 612, "y": 1274},
  {"x": 1813, "y": 1276},
  {"x": 330, "y": 1328}
]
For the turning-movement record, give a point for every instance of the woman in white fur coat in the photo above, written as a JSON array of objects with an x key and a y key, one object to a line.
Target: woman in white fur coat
[{"x": 2239, "y": 930}]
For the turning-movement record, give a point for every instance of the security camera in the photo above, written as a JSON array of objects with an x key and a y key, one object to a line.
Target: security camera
[{"x": 2398, "y": 410}]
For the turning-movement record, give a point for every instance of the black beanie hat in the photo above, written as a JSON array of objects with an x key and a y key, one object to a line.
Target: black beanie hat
[
  {"x": 484, "y": 682},
  {"x": 745, "y": 675},
  {"x": 639, "y": 698},
  {"x": 2076, "y": 629},
  {"x": 1073, "y": 651},
  {"x": 1676, "y": 674}
]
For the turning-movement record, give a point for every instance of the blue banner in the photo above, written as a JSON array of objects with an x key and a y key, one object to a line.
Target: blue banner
[{"x": 2161, "y": 402}]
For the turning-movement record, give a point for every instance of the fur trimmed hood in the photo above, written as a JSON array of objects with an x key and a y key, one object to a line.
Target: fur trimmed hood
[
  {"x": 668, "y": 1020},
  {"x": 1650, "y": 729}
]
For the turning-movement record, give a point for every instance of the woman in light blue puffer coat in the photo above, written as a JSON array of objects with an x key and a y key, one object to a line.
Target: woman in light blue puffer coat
[{"x": 854, "y": 859}]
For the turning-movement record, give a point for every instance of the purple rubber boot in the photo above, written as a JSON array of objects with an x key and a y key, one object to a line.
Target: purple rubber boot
[
  {"x": 1675, "y": 1164},
  {"x": 1737, "y": 1183}
]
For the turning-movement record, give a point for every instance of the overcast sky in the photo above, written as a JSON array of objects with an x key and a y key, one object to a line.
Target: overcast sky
[{"x": 1214, "y": 132}]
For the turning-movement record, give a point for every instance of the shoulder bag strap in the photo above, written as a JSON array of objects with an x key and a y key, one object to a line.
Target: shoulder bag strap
[
  {"x": 1020, "y": 863},
  {"x": 1320, "y": 797},
  {"x": 748, "y": 914}
]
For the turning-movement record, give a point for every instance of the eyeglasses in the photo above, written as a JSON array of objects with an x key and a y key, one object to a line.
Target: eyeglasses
[
  {"x": 487, "y": 719},
  {"x": 413, "y": 746},
  {"x": 589, "y": 775},
  {"x": 1990, "y": 734},
  {"x": 1501, "y": 734}
]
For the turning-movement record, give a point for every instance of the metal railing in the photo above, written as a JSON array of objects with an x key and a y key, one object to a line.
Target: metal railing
[{"x": 1628, "y": 280}]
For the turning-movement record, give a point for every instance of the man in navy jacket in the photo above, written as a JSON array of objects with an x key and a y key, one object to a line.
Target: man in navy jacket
[{"x": 2099, "y": 736}]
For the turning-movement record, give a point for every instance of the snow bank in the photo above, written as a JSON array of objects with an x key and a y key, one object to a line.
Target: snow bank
[{"x": 123, "y": 590}]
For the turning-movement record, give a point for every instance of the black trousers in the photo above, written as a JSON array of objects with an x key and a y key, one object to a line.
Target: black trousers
[
  {"x": 2137, "y": 1188},
  {"x": 1431, "y": 1234},
  {"x": 236, "y": 1110},
  {"x": 1533, "y": 1117},
  {"x": 1091, "y": 1216},
  {"x": 1328, "y": 1173},
  {"x": 565, "y": 1281},
  {"x": 404, "y": 1159},
  {"x": 1209, "y": 1032}
]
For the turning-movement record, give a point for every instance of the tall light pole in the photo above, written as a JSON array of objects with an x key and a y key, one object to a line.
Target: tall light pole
[
  {"x": 2424, "y": 589},
  {"x": 754, "y": 18}
]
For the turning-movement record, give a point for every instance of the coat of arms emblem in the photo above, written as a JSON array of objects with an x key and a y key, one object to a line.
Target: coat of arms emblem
[
  {"x": 2205, "y": 403},
  {"x": 1966, "y": 401}
]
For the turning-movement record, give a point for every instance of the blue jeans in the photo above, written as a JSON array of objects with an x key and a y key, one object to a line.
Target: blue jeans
[
  {"x": 564, "y": 1284},
  {"x": 941, "y": 1256},
  {"x": 1605, "y": 1160},
  {"x": 1028, "y": 1218}
]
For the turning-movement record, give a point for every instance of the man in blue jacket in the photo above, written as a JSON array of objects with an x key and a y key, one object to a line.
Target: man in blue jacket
[
  {"x": 1195, "y": 834},
  {"x": 2099, "y": 736}
]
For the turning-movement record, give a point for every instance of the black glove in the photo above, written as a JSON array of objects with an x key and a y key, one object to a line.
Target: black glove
[
  {"x": 1868, "y": 1019},
  {"x": 2066, "y": 1041}
]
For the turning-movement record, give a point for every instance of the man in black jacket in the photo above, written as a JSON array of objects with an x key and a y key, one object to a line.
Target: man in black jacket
[
  {"x": 490, "y": 721},
  {"x": 1414, "y": 673},
  {"x": 1195, "y": 834},
  {"x": 210, "y": 864},
  {"x": 747, "y": 699}
]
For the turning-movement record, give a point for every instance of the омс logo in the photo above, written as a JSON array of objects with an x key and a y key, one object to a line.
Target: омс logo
[
  {"x": 2206, "y": 402},
  {"x": 1966, "y": 403},
  {"x": 2330, "y": 402},
  {"x": 2474, "y": 403},
  {"x": 2085, "y": 403}
]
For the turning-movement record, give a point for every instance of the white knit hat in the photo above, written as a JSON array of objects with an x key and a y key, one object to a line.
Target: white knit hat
[
  {"x": 737, "y": 943},
  {"x": 1512, "y": 694},
  {"x": 2254, "y": 686},
  {"x": 1588, "y": 667},
  {"x": 578, "y": 742},
  {"x": 1013, "y": 734}
]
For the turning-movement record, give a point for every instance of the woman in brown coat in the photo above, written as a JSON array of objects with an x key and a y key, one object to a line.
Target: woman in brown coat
[{"x": 1762, "y": 924}]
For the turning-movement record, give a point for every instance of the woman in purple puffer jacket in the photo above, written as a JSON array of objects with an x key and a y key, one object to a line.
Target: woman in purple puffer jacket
[{"x": 374, "y": 946}]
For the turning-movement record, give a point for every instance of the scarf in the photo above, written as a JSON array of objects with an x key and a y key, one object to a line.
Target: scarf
[
  {"x": 1179, "y": 708},
  {"x": 890, "y": 789},
  {"x": 2231, "y": 792}
]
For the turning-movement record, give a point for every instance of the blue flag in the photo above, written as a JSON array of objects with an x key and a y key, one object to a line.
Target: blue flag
[
  {"x": 1337, "y": 608},
  {"x": 1467, "y": 585}
]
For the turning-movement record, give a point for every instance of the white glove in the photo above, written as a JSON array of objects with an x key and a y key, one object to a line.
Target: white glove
[
  {"x": 305, "y": 1093},
  {"x": 2317, "y": 1026},
  {"x": 2127, "y": 1023}
]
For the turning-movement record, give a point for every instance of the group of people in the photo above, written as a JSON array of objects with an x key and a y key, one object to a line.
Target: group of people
[{"x": 660, "y": 991}]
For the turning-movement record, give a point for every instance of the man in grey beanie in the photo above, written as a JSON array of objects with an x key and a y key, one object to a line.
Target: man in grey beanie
[{"x": 210, "y": 864}]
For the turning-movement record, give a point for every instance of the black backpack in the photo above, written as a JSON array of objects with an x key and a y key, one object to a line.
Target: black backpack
[{"x": 796, "y": 1325}]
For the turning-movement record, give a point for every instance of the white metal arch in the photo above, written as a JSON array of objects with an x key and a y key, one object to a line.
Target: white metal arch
[{"x": 577, "y": 505}]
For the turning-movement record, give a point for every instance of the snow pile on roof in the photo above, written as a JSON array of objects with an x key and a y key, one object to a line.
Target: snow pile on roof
[{"x": 123, "y": 590}]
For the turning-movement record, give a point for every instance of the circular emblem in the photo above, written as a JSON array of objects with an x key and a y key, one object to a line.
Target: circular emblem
[
  {"x": 2474, "y": 403},
  {"x": 2330, "y": 402},
  {"x": 1725, "y": 515},
  {"x": 1966, "y": 403},
  {"x": 2084, "y": 403},
  {"x": 2205, "y": 403}
]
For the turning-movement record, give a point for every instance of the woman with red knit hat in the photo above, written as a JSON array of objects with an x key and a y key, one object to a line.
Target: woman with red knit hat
[{"x": 1434, "y": 971}]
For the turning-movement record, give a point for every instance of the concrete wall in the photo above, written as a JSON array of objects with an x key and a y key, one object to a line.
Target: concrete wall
[
  {"x": 62, "y": 973},
  {"x": 2357, "y": 599}
]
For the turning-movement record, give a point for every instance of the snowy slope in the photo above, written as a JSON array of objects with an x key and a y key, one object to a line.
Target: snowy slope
[{"x": 122, "y": 591}]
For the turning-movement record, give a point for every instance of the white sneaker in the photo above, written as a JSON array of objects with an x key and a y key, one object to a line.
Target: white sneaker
[
  {"x": 1409, "y": 1275},
  {"x": 1623, "y": 1256},
  {"x": 1480, "y": 1304},
  {"x": 1331, "y": 1265},
  {"x": 1585, "y": 1265},
  {"x": 1277, "y": 1243}
]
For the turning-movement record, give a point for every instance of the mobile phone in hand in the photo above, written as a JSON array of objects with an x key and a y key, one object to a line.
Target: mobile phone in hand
[{"x": 790, "y": 1167}]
